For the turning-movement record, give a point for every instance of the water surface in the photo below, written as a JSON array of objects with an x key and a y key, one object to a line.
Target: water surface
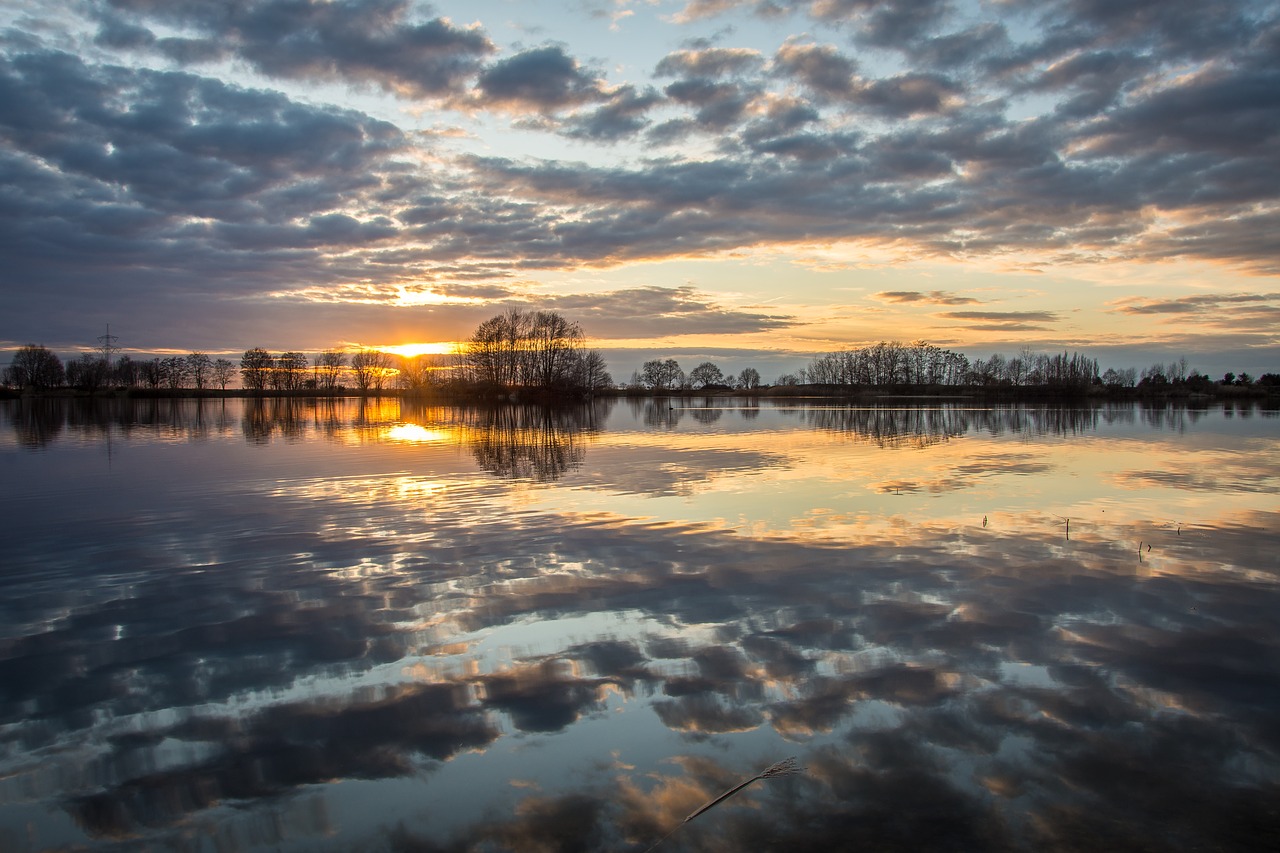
[{"x": 346, "y": 625}]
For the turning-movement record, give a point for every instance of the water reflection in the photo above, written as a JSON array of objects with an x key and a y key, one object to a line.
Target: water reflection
[
  {"x": 538, "y": 443},
  {"x": 379, "y": 644},
  {"x": 40, "y": 422}
]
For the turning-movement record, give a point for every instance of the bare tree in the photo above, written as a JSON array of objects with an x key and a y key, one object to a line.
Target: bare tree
[
  {"x": 662, "y": 375},
  {"x": 198, "y": 366},
  {"x": 706, "y": 374},
  {"x": 126, "y": 373},
  {"x": 36, "y": 366},
  {"x": 497, "y": 353},
  {"x": 152, "y": 373},
  {"x": 517, "y": 348},
  {"x": 175, "y": 372},
  {"x": 422, "y": 372},
  {"x": 553, "y": 345},
  {"x": 371, "y": 368},
  {"x": 255, "y": 368},
  {"x": 291, "y": 369},
  {"x": 223, "y": 372},
  {"x": 329, "y": 365},
  {"x": 88, "y": 372},
  {"x": 592, "y": 372}
]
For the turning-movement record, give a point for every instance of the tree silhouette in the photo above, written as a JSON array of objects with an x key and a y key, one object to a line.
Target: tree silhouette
[
  {"x": 705, "y": 374},
  {"x": 35, "y": 367},
  {"x": 371, "y": 368},
  {"x": 329, "y": 365},
  {"x": 223, "y": 372},
  {"x": 87, "y": 373},
  {"x": 198, "y": 366},
  {"x": 291, "y": 370},
  {"x": 255, "y": 368},
  {"x": 662, "y": 375}
]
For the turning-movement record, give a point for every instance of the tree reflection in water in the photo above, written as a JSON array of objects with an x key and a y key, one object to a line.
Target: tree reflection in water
[
  {"x": 531, "y": 442},
  {"x": 368, "y": 644}
]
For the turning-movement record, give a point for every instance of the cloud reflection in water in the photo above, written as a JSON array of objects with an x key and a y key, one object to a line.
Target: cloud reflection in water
[{"x": 388, "y": 617}]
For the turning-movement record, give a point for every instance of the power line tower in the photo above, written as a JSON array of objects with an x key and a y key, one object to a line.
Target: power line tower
[{"x": 107, "y": 345}]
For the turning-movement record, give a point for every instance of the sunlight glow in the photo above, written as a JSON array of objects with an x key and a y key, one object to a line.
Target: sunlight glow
[
  {"x": 415, "y": 434},
  {"x": 411, "y": 350}
]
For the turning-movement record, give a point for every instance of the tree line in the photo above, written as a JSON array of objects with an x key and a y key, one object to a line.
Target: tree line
[
  {"x": 664, "y": 375},
  {"x": 517, "y": 350},
  {"x": 896, "y": 364},
  {"x": 543, "y": 352},
  {"x": 921, "y": 363}
]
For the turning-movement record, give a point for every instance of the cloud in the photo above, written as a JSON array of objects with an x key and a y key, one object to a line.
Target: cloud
[
  {"x": 1199, "y": 304},
  {"x": 932, "y": 297},
  {"x": 1239, "y": 312},
  {"x": 545, "y": 697},
  {"x": 709, "y": 62},
  {"x": 1002, "y": 317},
  {"x": 920, "y": 650},
  {"x": 361, "y": 41},
  {"x": 879, "y": 23},
  {"x": 624, "y": 114},
  {"x": 662, "y": 312},
  {"x": 1075, "y": 136},
  {"x": 832, "y": 77},
  {"x": 821, "y": 68},
  {"x": 963, "y": 48},
  {"x": 544, "y": 79}
]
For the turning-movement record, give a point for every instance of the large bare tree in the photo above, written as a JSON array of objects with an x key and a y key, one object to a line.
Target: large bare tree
[{"x": 255, "y": 368}]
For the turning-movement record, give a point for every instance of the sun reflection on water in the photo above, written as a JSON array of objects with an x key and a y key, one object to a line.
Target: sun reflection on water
[
  {"x": 396, "y": 612},
  {"x": 416, "y": 434}
]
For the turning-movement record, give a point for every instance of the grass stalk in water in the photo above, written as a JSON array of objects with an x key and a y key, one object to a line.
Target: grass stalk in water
[{"x": 783, "y": 768}]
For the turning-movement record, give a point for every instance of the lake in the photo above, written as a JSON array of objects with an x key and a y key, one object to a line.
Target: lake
[{"x": 350, "y": 625}]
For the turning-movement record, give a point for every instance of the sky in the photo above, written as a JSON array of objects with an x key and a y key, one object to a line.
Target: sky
[{"x": 749, "y": 183}]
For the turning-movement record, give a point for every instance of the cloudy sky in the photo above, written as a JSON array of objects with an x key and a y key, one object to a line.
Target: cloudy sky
[{"x": 750, "y": 182}]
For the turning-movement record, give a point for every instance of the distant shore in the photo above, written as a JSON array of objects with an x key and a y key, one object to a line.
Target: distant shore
[{"x": 867, "y": 393}]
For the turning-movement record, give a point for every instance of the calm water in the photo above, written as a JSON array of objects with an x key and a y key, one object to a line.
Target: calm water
[{"x": 341, "y": 626}]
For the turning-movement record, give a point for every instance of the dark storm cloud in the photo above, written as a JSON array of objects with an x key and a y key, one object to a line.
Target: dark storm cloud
[{"x": 361, "y": 41}]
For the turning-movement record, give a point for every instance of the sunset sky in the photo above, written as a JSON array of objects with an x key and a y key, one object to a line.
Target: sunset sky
[{"x": 750, "y": 183}]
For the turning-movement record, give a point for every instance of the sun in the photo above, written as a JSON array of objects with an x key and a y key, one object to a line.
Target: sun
[{"x": 411, "y": 350}]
